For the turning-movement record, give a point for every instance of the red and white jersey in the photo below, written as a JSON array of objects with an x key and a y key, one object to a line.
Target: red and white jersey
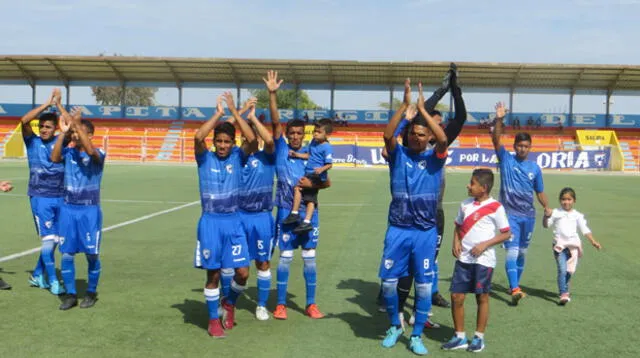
[{"x": 478, "y": 222}]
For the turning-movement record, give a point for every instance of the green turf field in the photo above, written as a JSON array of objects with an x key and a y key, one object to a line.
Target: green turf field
[{"x": 151, "y": 301}]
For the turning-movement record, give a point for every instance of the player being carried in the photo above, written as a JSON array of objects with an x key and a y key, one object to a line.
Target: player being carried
[
  {"x": 519, "y": 179},
  {"x": 474, "y": 236},
  {"x": 319, "y": 157}
]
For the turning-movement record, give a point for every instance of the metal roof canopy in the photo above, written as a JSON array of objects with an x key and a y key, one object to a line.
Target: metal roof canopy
[{"x": 314, "y": 74}]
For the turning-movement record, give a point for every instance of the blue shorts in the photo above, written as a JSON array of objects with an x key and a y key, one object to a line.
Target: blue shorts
[
  {"x": 289, "y": 241},
  {"x": 46, "y": 215},
  {"x": 471, "y": 278},
  {"x": 80, "y": 229},
  {"x": 521, "y": 231},
  {"x": 221, "y": 242},
  {"x": 258, "y": 229},
  {"x": 409, "y": 250}
]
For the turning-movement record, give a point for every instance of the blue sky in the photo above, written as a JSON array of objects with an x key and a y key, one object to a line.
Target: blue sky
[{"x": 561, "y": 31}]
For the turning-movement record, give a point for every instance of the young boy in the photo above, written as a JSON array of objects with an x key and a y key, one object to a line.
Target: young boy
[
  {"x": 473, "y": 240},
  {"x": 319, "y": 160}
]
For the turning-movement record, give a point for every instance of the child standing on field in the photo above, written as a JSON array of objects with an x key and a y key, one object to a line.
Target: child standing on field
[{"x": 567, "y": 247}]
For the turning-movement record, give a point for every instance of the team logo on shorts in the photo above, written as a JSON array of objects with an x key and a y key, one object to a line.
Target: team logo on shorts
[
  {"x": 285, "y": 237},
  {"x": 388, "y": 264},
  {"x": 530, "y": 176},
  {"x": 61, "y": 240},
  {"x": 48, "y": 224},
  {"x": 206, "y": 253},
  {"x": 229, "y": 168}
]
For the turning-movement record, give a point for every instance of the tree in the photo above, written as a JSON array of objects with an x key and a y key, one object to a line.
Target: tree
[
  {"x": 395, "y": 104},
  {"x": 133, "y": 96},
  {"x": 286, "y": 99}
]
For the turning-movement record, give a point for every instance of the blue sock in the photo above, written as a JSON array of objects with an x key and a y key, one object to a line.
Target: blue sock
[
  {"x": 68, "y": 268},
  {"x": 264, "y": 286},
  {"x": 212, "y": 296},
  {"x": 512, "y": 267},
  {"x": 522, "y": 256},
  {"x": 234, "y": 293},
  {"x": 436, "y": 277},
  {"x": 423, "y": 306},
  {"x": 226, "y": 276},
  {"x": 94, "y": 268},
  {"x": 39, "y": 269},
  {"x": 309, "y": 271},
  {"x": 283, "y": 278},
  {"x": 46, "y": 255},
  {"x": 390, "y": 293}
]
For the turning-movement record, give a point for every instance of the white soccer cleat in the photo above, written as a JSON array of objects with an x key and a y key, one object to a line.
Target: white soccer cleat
[{"x": 261, "y": 313}]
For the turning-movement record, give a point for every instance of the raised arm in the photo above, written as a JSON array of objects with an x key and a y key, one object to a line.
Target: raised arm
[
  {"x": 65, "y": 126},
  {"x": 34, "y": 113},
  {"x": 389, "y": 137},
  {"x": 83, "y": 136},
  {"x": 454, "y": 125},
  {"x": 496, "y": 136},
  {"x": 438, "y": 133},
  {"x": 267, "y": 138},
  {"x": 273, "y": 85},
  {"x": 246, "y": 131},
  {"x": 200, "y": 138}
]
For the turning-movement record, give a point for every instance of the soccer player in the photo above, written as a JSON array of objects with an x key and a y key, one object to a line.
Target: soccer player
[
  {"x": 319, "y": 159},
  {"x": 5, "y": 186},
  {"x": 256, "y": 204},
  {"x": 221, "y": 240},
  {"x": 474, "y": 236},
  {"x": 411, "y": 238},
  {"x": 290, "y": 172},
  {"x": 519, "y": 178},
  {"x": 45, "y": 191},
  {"x": 80, "y": 214}
]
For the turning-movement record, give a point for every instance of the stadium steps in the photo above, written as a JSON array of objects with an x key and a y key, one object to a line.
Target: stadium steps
[
  {"x": 569, "y": 145},
  {"x": 629, "y": 159},
  {"x": 5, "y": 134},
  {"x": 171, "y": 140}
]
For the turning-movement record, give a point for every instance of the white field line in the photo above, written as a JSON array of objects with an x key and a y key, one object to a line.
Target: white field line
[
  {"x": 112, "y": 227},
  {"x": 112, "y": 200}
]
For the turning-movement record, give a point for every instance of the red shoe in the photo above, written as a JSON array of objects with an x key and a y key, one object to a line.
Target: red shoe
[
  {"x": 228, "y": 315},
  {"x": 215, "y": 328},
  {"x": 280, "y": 312},
  {"x": 313, "y": 311}
]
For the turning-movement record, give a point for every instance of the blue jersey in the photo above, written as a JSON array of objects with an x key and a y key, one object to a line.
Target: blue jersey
[
  {"x": 415, "y": 187},
  {"x": 219, "y": 180},
  {"x": 289, "y": 171},
  {"x": 46, "y": 178},
  {"x": 320, "y": 154},
  {"x": 257, "y": 182},
  {"x": 518, "y": 181},
  {"x": 82, "y": 177}
]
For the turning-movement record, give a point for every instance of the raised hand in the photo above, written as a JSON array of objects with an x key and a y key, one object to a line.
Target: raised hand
[
  {"x": 272, "y": 81},
  {"x": 252, "y": 106},
  {"x": 219, "y": 106},
  {"x": 65, "y": 122},
  {"x": 76, "y": 114},
  {"x": 228, "y": 98},
  {"x": 407, "y": 91},
  {"x": 411, "y": 112},
  {"x": 51, "y": 101},
  {"x": 420, "y": 97},
  {"x": 501, "y": 110}
]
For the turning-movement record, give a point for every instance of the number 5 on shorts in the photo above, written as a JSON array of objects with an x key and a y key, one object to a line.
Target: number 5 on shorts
[{"x": 236, "y": 250}]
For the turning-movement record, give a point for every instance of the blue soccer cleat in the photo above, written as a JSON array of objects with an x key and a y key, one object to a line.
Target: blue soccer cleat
[
  {"x": 393, "y": 333},
  {"x": 417, "y": 347},
  {"x": 455, "y": 343},
  {"x": 477, "y": 345},
  {"x": 57, "y": 288},
  {"x": 38, "y": 281}
]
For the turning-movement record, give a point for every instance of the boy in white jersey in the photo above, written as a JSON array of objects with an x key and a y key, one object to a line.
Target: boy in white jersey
[
  {"x": 473, "y": 239},
  {"x": 567, "y": 246}
]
